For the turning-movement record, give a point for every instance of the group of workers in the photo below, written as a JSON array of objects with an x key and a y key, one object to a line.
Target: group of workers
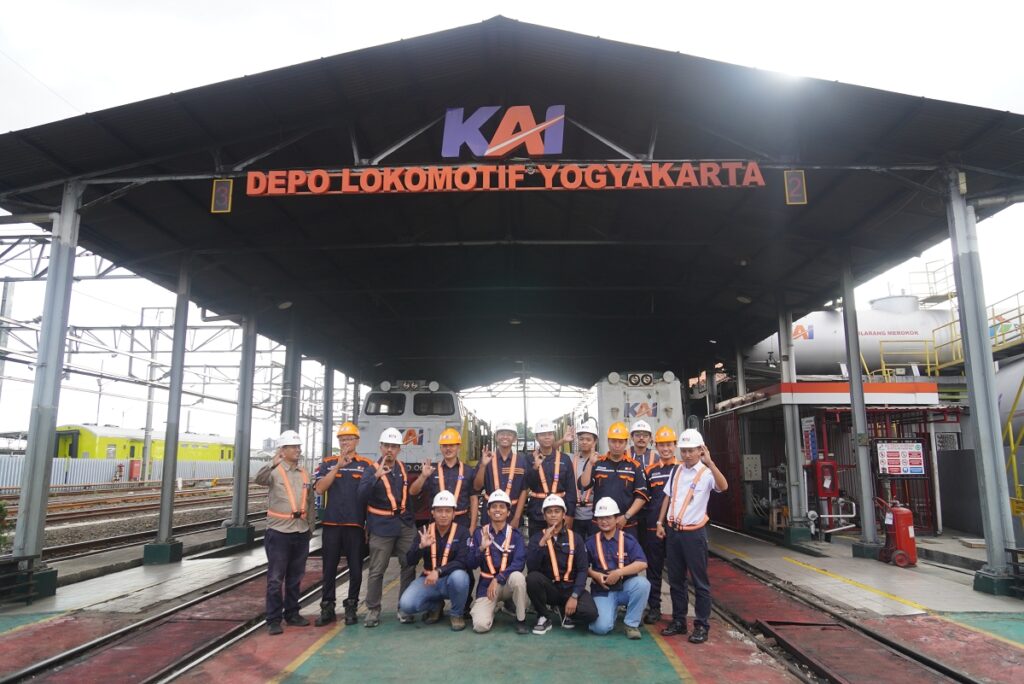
[{"x": 618, "y": 519}]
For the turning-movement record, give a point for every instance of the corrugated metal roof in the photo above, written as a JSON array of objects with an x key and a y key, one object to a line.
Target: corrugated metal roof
[{"x": 393, "y": 279}]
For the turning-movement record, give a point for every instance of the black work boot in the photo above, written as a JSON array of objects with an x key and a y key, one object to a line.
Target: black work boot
[
  {"x": 326, "y": 614},
  {"x": 350, "y": 610}
]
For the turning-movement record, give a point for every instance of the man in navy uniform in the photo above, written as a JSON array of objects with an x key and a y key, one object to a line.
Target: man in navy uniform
[
  {"x": 658, "y": 473},
  {"x": 444, "y": 547},
  {"x": 557, "y": 560},
  {"x": 616, "y": 564},
  {"x": 451, "y": 475},
  {"x": 682, "y": 521},
  {"x": 343, "y": 518},
  {"x": 289, "y": 501},
  {"x": 618, "y": 477},
  {"x": 389, "y": 521},
  {"x": 505, "y": 470},
  {"x": 641, "y": 451},
  {"x": 551, "y": 473},
  {"x": 498, "y": 550}
]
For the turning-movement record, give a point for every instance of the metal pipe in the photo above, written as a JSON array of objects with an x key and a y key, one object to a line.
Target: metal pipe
[
  {"x": 858, "y": 408},
  {"x": 993, "y": 491},
  {"x": 164, "y": 531},
  {"x": 42, "y": 426},
  {"x": 327, "y": 445},
  {"x": 243, "y": 423},
  {"x": 290, "y": 382}
]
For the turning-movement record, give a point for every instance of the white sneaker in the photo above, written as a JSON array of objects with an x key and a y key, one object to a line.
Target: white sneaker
[
  {"x": 543, "y": 625},
  {"x": 406, "y": 619}
]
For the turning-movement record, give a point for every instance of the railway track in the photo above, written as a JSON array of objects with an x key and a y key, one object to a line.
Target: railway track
[
  {"x": 94, "y": 546},
  {"x": 116, "y": 510},
  {"x": 795, "y": 626},
  {"x": 134, "y": 643}
]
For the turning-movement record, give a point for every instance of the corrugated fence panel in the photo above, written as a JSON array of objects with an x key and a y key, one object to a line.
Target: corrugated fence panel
[
  {"x": 80, "y": 471},
  {"x": 10, "y": 470}
]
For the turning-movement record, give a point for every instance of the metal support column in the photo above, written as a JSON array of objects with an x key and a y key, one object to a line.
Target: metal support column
[
  {"x": 147, "y": 439},
  {"x": 868, "y": 545},
  {"x": 357, "y": 402},
  {"x": 796, "y": 489},
  {"x": 993, "y": 491},
  {"x": 42, "y": 426},
  {"x": 743, "y": 425},
  {"x": 165, "y": 549},
  {"x": 327, "y": 445},
  {"x": 240, "y": 531},
  {"x": 711, "y": 385},
  {"x": 290, "y": 381},
  {"x": 6, "y": 300}
]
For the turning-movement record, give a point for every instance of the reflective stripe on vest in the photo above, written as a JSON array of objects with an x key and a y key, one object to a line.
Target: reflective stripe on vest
[
  {"x": 676, "y": 519},
  {"x": 496, "y": 472},
  {"x": 504, "y": 553},
  {"x": 621, "y": 554},
  {"x": 395, "y": 508},
  {"x": 554, "y": 558},
  {"x": 458, "y": 484},
  {"x": 557, "y": 474},
  {"x": 297, "y": 511},
  {"x": 433, "y": 547}
]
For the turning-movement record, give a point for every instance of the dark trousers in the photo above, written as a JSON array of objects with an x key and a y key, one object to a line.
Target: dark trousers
[
  {"x": 543, "y": 593},
  {"x": 584, "y": 528},
  {"x": 687, "y": 552},
  {"x": 348, "y": 542},
  {"x": 654, "y": 549},
  {"x": 286, "y": 564}
]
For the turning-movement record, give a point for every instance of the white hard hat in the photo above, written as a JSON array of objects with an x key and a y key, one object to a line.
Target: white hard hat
[
  {"x": 553, "y": 500},
  {"x": 391, "y": 436},
  {"x": 544, "y": 426},
  {"x": 606, "y": 507},
  {"x": 444, "y": 499},
  {"x": 690, "y": 439},
  {"x": 640, "y": 426},
  {"x": 499, "y": 496},
  {"x": 289, "y": 438},
  {"x": 589, "y": 426},
  {"x": 509, "y": 427}
]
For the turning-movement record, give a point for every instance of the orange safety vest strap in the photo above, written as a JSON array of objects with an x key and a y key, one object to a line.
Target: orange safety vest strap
[
  {"x": 542, "y": 495},
  {"x": 391, "y": 497},
  {"x": 458, "y": 482},
  {"x": 504, "y": 554},
  {"x": 297, "y": 511},
  {"x": 554, "y": 558},
  {"x": 433, "y": 547},
  {"x": 678, "y": 515},
  {"x": 600, "y": 549}
]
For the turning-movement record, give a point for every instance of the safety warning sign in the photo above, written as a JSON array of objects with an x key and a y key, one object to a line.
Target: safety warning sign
[{"x": 900, "y": 458}]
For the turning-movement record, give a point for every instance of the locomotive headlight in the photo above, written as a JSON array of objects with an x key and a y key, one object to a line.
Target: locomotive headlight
[{"x": 385, "y": 386}]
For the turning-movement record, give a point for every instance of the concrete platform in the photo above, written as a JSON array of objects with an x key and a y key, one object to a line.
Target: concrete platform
[{"x": 105, "y": 562}]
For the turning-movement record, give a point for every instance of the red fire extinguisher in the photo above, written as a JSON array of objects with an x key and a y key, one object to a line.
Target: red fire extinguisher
[{"x": 900, "y": 545}]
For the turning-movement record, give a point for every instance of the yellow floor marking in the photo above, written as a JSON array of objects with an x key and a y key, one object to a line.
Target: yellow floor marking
[
  {"x": 738, "y": 554},
  {"x": 859, "y": 585},
  {"x": 291, "y": 667},
  {"x": 670, "y": 655}
]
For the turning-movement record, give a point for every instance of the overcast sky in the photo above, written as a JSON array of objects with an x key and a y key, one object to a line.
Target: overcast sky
[{"x": 61, "y": 59}]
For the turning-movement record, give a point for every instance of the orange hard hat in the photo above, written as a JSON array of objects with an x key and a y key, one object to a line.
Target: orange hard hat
[
  {"x": 618, "y": 431},
  {"x": 450, "y": 436},
  {"x": 665, "y": 434},
  {"x": 348, "y": 428}
]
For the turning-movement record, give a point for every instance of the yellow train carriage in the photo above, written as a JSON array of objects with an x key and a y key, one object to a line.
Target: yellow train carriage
[{"x": 93, "y": 441}]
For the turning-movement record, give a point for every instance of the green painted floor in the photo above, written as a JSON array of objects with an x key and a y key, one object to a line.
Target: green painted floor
[
  {"x": 1007, "y": 625},
  {"x": 9, "y": 622},
  {"x": 436, "y": 654}
]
